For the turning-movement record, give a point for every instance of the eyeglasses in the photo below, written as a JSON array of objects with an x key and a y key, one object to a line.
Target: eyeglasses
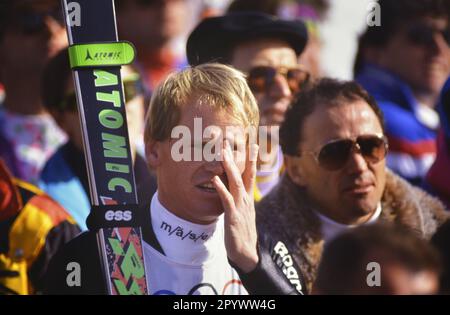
[
  {"x": 31, "y": 22},
  {"x": 261, "y": 78},
  {"x": 422, "y": 34},
  {"x": 132, "y": 87},
  {"x": 335, "y": 154}
]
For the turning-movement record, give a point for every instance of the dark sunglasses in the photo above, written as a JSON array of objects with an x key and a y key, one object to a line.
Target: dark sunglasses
[
  {"x": 261, "y": 78},
  {"x": 422, "y": 34},
  {"x": 132, "y": 87},
  {"x": 31, "y": 22},
  {"x": 335, "y": 154}
]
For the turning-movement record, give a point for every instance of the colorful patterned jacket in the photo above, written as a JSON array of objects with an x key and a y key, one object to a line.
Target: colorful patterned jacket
[{"x": 32, "y": 228}]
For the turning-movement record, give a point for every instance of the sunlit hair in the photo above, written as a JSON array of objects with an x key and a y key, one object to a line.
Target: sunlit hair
[{"x": 215, "y": 85}]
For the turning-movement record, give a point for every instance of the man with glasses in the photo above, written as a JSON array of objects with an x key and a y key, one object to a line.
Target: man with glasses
[
  {"x": 31, "y": 32},
  {"x": 404, "y": 63},
  {"x": 266, "y": 49},
  {"x": 334, "y": 145},
  {"x": 64, "y": 176}
]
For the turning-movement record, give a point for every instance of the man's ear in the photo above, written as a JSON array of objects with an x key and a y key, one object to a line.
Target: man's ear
[
  {"x": 295, "y": 170},
  {"x": 153, "y": 153}
]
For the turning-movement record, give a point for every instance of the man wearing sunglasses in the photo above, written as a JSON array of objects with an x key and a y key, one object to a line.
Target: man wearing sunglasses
[
  {"x": 336, "y": 176},
  {"x": 31, "y": 32},
  {"x": 266, "y": 48},
  {"x": 404, "y": 63}
]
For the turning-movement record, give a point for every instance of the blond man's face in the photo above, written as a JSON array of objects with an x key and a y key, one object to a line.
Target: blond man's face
[{"x": 184, "y": 186}]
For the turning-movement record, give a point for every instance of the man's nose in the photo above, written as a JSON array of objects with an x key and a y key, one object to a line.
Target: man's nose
[
  {"x": 214, "y": 166},
  {"x": 356, "y": 162},
  {"x": 280, "y": 87}
]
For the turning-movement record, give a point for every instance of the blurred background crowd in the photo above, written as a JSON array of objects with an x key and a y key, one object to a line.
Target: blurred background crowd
[{"x": 404, "y": 64}]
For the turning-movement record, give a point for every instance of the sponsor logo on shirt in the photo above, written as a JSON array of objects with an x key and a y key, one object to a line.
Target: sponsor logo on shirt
[
  {"x": 281, "y": 256},
  {"x": 179, "y": 231}
]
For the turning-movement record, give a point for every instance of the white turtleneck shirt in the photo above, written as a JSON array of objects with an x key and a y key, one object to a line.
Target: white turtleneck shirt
[
  {"x": 194, "y": 260},
  {"x": 330, "y": 228}
]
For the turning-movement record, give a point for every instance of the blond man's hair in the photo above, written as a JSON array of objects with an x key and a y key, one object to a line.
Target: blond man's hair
[{"x": 211, "y": 84}]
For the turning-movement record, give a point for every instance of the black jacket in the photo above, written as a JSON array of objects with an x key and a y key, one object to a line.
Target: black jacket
[{"x": 274, "y": 274}]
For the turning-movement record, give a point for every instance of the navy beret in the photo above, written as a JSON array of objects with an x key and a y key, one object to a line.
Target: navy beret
[{"x": 214, "y": 39}]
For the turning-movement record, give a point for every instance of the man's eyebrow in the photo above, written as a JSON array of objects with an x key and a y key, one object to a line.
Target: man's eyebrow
[
  {"x": 203, "y": 140},
  {"x": 236, "y": 142},
  {"x": 209, "y": 138}
]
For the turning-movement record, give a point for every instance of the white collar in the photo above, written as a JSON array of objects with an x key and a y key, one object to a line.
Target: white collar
[
  {"x": 270, "y": 170},
  {"x": 331, "y": 228},
  {"x": 184, "y": 241}
]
